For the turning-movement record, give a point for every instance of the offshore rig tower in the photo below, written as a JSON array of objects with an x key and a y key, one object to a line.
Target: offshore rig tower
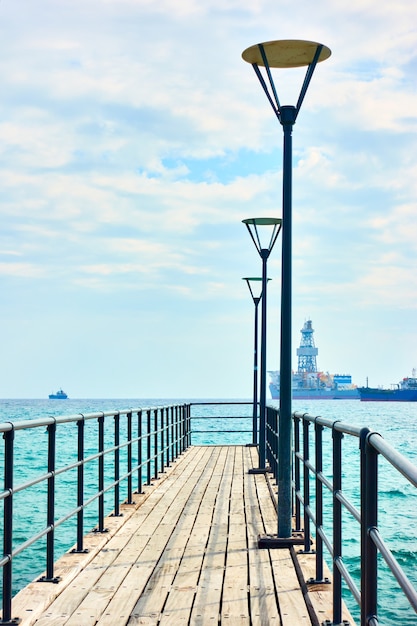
[{"x": 307, "y": 352}]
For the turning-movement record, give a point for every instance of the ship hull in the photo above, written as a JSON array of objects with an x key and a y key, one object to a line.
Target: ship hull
[
  {"x": 369, "y": 394},
  {"x": 317, "y": 394}
]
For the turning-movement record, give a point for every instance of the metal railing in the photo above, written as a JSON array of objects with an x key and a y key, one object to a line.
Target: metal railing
[
  {"x": 309, "y": 488},
  {"x": 223, "y": 420},
  {"x": 108, "y": 452},
  {"x": 123, "y": 446}
]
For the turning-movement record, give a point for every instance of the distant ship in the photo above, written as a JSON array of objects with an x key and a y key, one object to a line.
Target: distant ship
[
  {"x": 310, "y": 384},
  {"x": 59, "y": 395},
  {"x": 405, "y": 391}
]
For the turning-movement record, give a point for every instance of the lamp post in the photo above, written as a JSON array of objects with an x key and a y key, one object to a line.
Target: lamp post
[
  {"x": 255, "y": 288},
  {"x": 257, "y": 227},
  {"x": 285, "y": 54}
]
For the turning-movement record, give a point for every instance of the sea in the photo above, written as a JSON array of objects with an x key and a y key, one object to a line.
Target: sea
[{"x": 396, "y": 422}]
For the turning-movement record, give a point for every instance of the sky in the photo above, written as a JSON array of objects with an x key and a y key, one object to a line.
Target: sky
[{"x": 133, "y": 142}]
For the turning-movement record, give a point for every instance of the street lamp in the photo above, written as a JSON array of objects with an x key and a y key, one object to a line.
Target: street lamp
[
  {"x": 285, "y": 54},
  {"x": 255, "y": 288},
  {"x": 258, "y": 228}
]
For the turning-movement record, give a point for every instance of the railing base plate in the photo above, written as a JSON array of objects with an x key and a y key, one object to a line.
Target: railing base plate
[
  {"x": 258, "y": 470},
  {"x": 55, "y": 580},
  {"x": 10, "y": 622},
  {"x": 314, "y": 581},
  {"x": 273, "y": 541},
  {"x": 84, "y": 551}
]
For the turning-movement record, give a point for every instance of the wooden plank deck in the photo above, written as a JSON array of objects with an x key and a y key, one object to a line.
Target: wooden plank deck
[{"x": 185, "y": 553}]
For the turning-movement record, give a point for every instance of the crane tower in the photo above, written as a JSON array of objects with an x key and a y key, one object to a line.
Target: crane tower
[{"x": 307, "y": 352}]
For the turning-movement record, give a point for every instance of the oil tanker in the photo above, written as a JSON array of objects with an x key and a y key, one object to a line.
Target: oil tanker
[{"x": 404, "y": 391}]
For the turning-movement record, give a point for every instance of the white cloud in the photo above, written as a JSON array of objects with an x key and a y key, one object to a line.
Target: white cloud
[{"x": 134, "y": 140}]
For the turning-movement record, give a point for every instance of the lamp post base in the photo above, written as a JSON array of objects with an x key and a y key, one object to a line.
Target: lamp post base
[
  {"x": 259, "y": 470},
  {"x": 273, "y": 541}
]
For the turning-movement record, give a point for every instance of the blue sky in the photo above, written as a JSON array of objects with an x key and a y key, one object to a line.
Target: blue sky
[{"x": 133, "y": 141}]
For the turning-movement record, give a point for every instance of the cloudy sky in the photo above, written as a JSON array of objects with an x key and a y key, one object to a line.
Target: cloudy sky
[{"x": 133, "y": 141}]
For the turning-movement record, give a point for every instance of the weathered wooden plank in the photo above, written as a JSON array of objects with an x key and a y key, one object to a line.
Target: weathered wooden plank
[
  {"x": 180, "y": 600},
  {"x": 320, "y": 594},
  {"x": 235, "y": 601},
  {"x": 262, "y": 594},
  {"x": 292, "y": 607},
  {"x": 156, "y": 594},
  {"x": 206, "y": 607}
]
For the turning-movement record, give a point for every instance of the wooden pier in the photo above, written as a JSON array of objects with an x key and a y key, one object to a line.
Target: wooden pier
[{"x": 186, "y": 553}]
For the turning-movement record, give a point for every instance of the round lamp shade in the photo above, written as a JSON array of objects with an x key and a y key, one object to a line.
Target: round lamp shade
[{"x": 285, "y": 53}]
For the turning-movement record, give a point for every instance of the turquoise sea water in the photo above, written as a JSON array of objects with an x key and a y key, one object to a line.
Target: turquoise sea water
[{"x": 397, "y": 422}]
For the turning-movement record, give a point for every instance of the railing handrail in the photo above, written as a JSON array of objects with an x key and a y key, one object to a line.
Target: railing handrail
[
  {"x": 63, "y": 419},
  {"x": 375, "y": 439},
  {"x": 372, "y": 445}
]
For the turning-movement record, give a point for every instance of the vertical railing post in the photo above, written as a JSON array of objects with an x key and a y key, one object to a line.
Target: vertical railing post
[
  {"x": 80, "y": 485},
  {"x": 369, "y": 520},
  {"x": 268, "y": 424},
  {"x": 101, "y": 528},
  {"x": 155, "y": 442},
  {"x": 167, "y": 435},
  {"x": 182, "y": 427},
  {"x": 148, "y": 446},
  {"x": 162, "y": 439},
  {"x": 297, "y": 473},
  {"x": 129, "y": 459},
  {"x": 185, "y": 427},
  {"x": 172, "y": 412},
  {"x": 8, "y": 437},
  {"x": 306, "y": 483},
  {"x": 188, "y": 425},
  {"x": 272, "y": 440},
  {"x": 177, "y": 432},
  {"x": 140, "y": 442},
  {"x": 319, "y": 501},
  {"x": 50, "y": 537},
  {"x": 116, "y": 465},
  {"x": 337, "y": 524}
]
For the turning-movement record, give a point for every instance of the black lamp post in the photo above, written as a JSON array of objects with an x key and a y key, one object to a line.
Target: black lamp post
[
  {"x": 257, "y": 227},
  {"x": 285, "y": 54},
  {"x": 255, "y": 288}
]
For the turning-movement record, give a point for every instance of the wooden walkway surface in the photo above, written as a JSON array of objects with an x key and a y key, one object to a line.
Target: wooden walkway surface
[{"x": 185, "y": 553}]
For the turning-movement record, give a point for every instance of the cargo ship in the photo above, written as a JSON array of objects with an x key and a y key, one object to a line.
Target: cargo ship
[
  {"x": 404, "y": 391},
  {"x": 310, "y": 384},
  {"x": 59, "y": 395}
]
